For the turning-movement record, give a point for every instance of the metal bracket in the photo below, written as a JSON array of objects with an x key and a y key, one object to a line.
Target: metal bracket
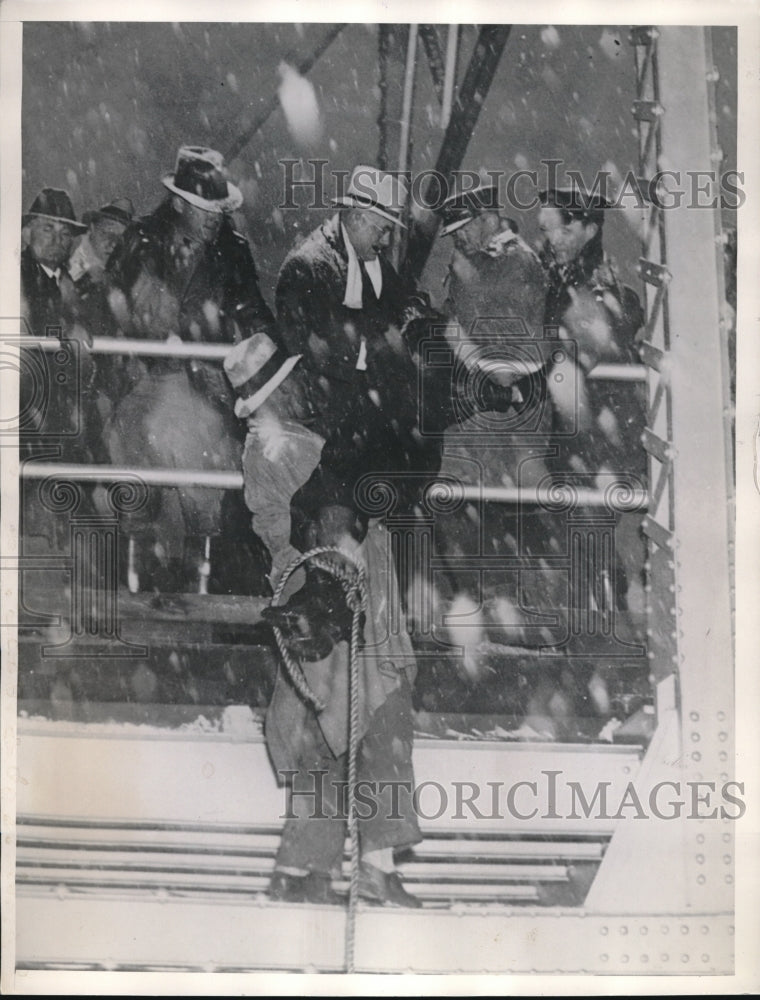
[
  {"x": 642, "y": 35},
  {"x": 647, "y": 111},
  {"x": 654, "y": 274}
]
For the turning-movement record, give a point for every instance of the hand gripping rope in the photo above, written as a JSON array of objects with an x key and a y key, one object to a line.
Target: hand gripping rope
[{"x": 353, "y": 581}]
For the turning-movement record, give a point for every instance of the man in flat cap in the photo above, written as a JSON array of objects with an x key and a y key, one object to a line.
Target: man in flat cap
[
  {"x": 182, "y": 273},
  {"x": 493, "y": 274},
  {"x": 496, "y": 287},
  {"x": 599, "y": 423},
  {"x": 495, "y": 293},
  {"x": 589, "y": 304}
]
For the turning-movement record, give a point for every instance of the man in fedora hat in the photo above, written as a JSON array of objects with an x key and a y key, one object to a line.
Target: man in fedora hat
[
  {"x": 48, "y": 298},
  {"x": 288, "y": 438},
  {"x": 182, "y": 270},
  {"x": 283, "y": 444},
  {"x": 183, "y": 273},
  {"x": 343, "y": 307},
  {"x": 106, "y": 226},
  {"x": 63, "y": 412}
]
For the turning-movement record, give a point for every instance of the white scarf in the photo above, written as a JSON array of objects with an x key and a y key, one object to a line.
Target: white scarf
[
  {"x": 353, "y": 296},
  {"x": 55, "y": 274},
  {"x": 496, "y": 244}
]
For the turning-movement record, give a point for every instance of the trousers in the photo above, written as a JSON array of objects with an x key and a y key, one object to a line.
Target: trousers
[{"x": 315, "y": 828}]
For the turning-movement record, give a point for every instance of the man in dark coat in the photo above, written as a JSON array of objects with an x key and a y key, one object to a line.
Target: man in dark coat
[
  {"x": 105, "y": 228},
  {"x": 56, "y": 401},
  {"x": 348, "y": 407},
  {"x": 598, "y": 424},
  {"x": 47, "y": 292},
  {"x": 182, "y": 273},
  {"x": 343, "y": 307},
  {"x": 589, "y": 304},
  {"x": 495, "y": 292}
]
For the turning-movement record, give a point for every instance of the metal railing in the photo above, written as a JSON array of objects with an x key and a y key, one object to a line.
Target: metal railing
[{"x": 176, "y": 348}]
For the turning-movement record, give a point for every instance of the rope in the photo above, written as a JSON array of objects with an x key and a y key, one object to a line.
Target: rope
[{"x": 354, "y": 584}]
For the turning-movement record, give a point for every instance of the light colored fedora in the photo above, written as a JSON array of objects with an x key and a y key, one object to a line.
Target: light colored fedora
[
  {"x": 377, "y": 191},
  {"x": 255, "y": 368}
]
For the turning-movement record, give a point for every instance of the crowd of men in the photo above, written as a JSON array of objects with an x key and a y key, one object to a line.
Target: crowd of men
[{"x": 315, "y": 399}]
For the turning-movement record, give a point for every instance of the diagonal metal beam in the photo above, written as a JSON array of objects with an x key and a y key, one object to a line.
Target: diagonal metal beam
[
  {"x": 475, "y": 86},
  {"x": 384, "y": 43},
  {"x": 303, "y": 67},
  {"x": 429, "y": 37}
]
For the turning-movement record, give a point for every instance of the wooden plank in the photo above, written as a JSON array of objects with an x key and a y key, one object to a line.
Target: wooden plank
[{"x": 43, "y": 591}]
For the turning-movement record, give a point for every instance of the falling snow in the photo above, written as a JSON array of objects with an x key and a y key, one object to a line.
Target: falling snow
[{"x": 300, "y": 106}]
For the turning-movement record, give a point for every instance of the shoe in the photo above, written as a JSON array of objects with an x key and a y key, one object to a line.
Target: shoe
[
  {"x": 384, "y": 888},
  {"x": 311, "y": 888}
]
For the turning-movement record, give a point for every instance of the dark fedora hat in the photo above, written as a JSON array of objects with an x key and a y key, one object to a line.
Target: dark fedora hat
[
  {"x": 577, "y": 201},
  {"x": 463, "y": 206},
  {"x": 52, "y": 203},
  {"x": 201, "y": 179},
  {"x": 119, "y": 210}
]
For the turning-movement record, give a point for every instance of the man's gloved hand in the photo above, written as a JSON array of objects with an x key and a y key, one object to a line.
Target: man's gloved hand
[{"x": 315, "y": 618}]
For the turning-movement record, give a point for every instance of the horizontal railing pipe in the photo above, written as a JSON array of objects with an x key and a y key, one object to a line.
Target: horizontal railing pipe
[
  {"x": 176, "y": 348},
  {"x": 618, "y": 496}
]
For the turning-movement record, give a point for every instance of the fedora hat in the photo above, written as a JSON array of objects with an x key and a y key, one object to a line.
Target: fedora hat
[
  {"x": 464, "y": 206},
  {"x": 377, "y": 191},
  {"x": 119, "y": 210},
  {"x": 200, "y": 178},
  {"x": 255, "y": 367},
  {"x": 52, "y": 203}
]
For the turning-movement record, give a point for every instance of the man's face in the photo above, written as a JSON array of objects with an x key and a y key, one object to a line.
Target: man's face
[
  {"x": 197, "y": 223},
  {"x": 50, "y": 241},
  {"x": 476, "y": 233},
  {"x": 104, "y": 235},
  {"x": 369, "y": 233},
  {"x": 566, "y": 238}
]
